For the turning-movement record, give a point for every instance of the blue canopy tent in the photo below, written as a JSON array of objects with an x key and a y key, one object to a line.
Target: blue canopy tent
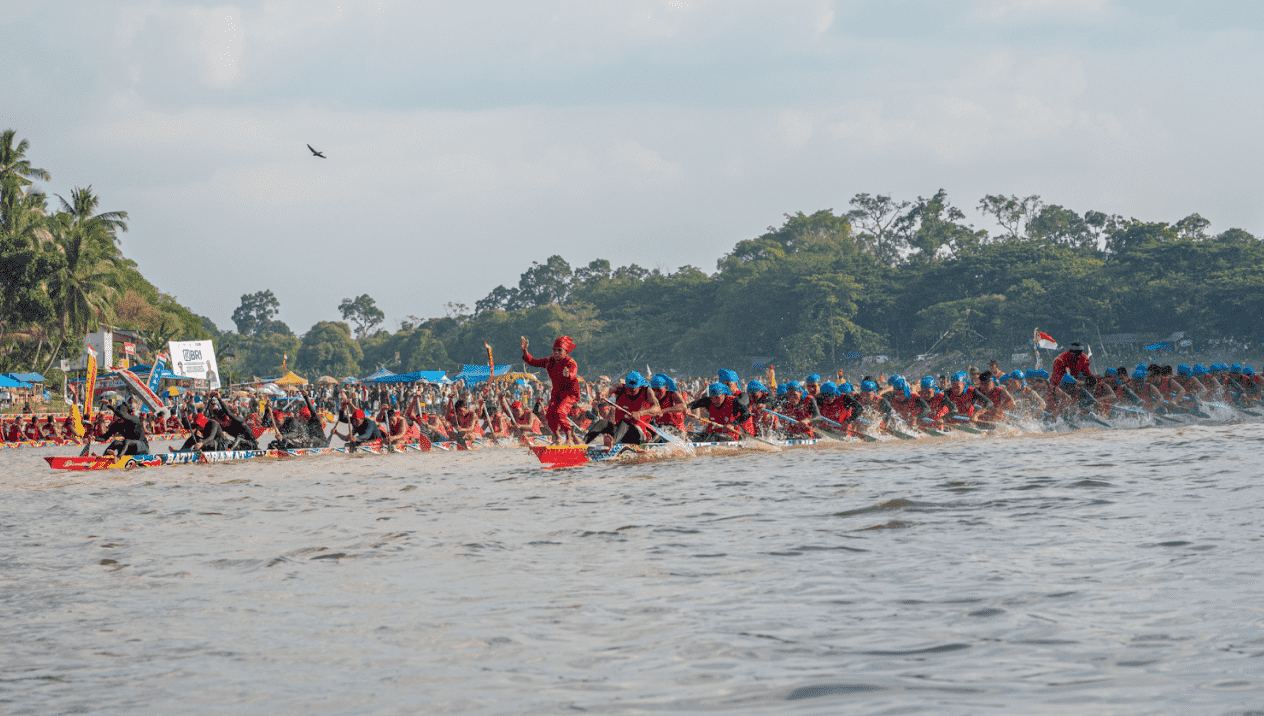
[
  {"x": 417, "y": 376},
  {"x": 381, "y": 372},
  {"x": 8, "y": 381},
  {"x": 26, "y": 377},
  {"x": 475, "y": 374}
]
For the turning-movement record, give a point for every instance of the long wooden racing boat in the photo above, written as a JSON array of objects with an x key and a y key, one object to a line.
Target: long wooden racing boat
[{"x": 556, "y": 456}]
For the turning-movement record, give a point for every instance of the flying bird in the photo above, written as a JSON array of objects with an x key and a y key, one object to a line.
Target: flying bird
[{"x": 316, "y": 153}]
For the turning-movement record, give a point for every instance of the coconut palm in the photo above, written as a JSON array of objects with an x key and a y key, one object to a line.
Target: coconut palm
[
  {"x": 81, "y": 205},
  {"x": 80, "y": 291},
  {"x": 16, "y": 173}
]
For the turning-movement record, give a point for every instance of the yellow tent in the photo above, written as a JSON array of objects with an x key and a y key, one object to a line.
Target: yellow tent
[{"x": 292, "y": 379}]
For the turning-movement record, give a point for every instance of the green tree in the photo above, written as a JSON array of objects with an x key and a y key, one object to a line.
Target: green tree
[
  {"x": 80, "y": 291},
  {"x": 327, "y": 349},
  {"x": 254, "y": 317},
  {"x": 876, "y": 217},
  {"x": 363, "y": 312},
  {"x": 1011, "y": 212},
  {"x": 16, "y": 173},
  {"x": 934, "y": 228}
]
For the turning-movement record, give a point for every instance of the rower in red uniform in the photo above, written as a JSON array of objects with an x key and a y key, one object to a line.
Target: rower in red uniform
[
  {"x": 999, "y": 397},
  {"x": 725, "y": 413},
  {"x": 670, "y": 403},
  {"x": 564, "y": 372},
  {"x": 1072, "y": 362},
  {"x": 633, "y": 402},
  {"x": 802, "y": 410}
]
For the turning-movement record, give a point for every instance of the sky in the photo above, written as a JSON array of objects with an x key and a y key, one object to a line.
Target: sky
[{"x": 466, "y": 140}]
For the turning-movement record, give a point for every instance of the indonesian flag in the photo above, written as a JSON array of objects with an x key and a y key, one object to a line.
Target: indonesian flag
[{"x": 1044, "y": 340}]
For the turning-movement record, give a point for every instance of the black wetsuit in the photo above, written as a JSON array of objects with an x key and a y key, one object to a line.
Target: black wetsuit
[
  {"x": 131, "y": 433},
  {"x": 208, "y": 437}
]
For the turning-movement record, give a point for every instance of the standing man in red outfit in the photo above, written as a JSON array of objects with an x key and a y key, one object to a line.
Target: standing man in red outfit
[
  {"x": 1072, "y": 362},
  {"x": 564, "y": 373}
]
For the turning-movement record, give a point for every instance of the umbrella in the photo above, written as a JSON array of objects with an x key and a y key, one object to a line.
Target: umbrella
[{"x": 327, "y": 380}]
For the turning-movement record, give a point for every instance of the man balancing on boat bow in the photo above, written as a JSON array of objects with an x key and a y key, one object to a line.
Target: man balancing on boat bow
[
  {"x": 564, "y": 373},
  {"x": 1072, "y": 362}
]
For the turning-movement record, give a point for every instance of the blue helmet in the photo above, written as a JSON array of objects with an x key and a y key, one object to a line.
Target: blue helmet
[
  {"x": 902, "y": 386},
  {"x": 633, "y": 380},
  {"x": 828, "y": 388},
  {"x": 1139, "y": 374},
  {"x": 718, "y": 389},
  {"x": 728, "y": 376},
  {"x": 894, "y": 377},
  {"x": 794, "y": 385},
  {"x": 813, "y": 378},
  {"x": 1199, "y": 369},
  {"x": 781, "y": 389},
  {"x": 1041, "y": 374},
  {"x": 756, "y": 387},
  {"x": 662, "y": 380},
  {"x": 1017, "y": 375},
  {"x": 868, "y": 386},
  {"x": 1248, "y": 370},
  {"x": 1111, "y": 371},
  {"x": 846, "y": 388},
  {"x": 1235, "y": 368},
  {"x": 928, "y": 382},
  {"x": 1184, "y": 369},
  {"x": 959, "y": 377}
]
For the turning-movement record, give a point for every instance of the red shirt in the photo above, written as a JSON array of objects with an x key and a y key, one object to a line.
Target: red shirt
[
  {"x": 1068, "y": 363},
  {"x": 564, "y": 372}
]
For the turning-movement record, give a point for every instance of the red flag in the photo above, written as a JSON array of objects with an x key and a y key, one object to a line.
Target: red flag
[{"x": 1044, "y": 340}]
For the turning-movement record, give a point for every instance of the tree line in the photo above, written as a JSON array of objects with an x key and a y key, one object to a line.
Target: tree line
[
  {"x": 902, "y": 277},
  {"x": 886, "y": 276},
  {"x": 63, "y": 272}
]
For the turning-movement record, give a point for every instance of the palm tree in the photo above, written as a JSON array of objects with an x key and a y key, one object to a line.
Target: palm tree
[
  {"x": 81, "y": 205},
  {"x": 80, "y": 291},
  {"x": 16, "y": 173}
]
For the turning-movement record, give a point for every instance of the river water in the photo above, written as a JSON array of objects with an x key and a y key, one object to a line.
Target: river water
[{"x": 1095, "y": 572}]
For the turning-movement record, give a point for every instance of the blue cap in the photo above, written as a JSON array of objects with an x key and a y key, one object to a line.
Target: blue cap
[
  {"x": 794, "y": 385},
  {"x": 1142, "y": 366},
  {"x": 728, "y": 376},
  {"x": 959, "y": 377},
  {"x": 1040, "y": 373},
  {"x": 1139, "y": 374},
  {"x": 633, "y": 380},
  {"x": 1184, "y": 369},
  {"x": 813, "y": 378},
  {"x": 1069, "y": 379},
  {"x": 662, "y": 380},
  {"x": 781, "y": 389},
  {"x": 828, "y": 388},
  {"x": 1200, "y": 369},
  {"x": 1235, "y": 368},
  {"x": 868, "y": 386},
  {"x": 846, "y": 388},
  {"x": 1111, "y": 371},
  {"x": 1248, "y": 370},
  {"x": 718, "y": 389},
  {"x": 928, "y": 382},
  {"x": 894, "y": 377},
  {"x": 756, "y": 387}
]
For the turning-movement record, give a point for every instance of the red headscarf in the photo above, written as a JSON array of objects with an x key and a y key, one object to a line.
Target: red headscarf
[{"x": 565, "y": 343}]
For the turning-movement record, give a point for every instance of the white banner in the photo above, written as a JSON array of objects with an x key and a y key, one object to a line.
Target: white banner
[{"x": 195, "y": 359}]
